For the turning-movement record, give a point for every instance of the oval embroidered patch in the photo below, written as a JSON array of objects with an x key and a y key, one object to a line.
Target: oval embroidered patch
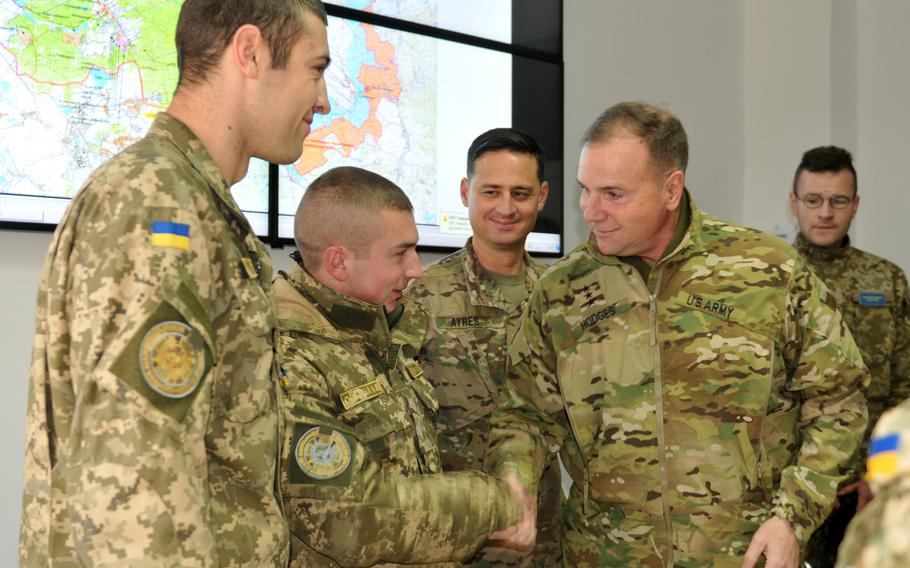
[
  {"x": 171, "y": 360},
  {"x": 322, "y": 456}
]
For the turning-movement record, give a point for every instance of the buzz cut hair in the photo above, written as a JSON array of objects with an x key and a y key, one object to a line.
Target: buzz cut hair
[
  {"x": 507, "y": 139},
  {"x": 341, "y": 207},
  {"x": 830, "y": 159},
  {"x": 205, "y": 29},
  {"x": 659, "y": 129}
]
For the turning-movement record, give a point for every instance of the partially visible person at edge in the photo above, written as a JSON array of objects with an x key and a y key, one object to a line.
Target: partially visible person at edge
[
  {"x": 873, "y": 297},
  {"x": 361, "y": 477},
  {"x": 153, "y": 425},
  {"x": 879, "y": 535},
  {"x": 704, "y": 392},
  {"x": 475, "y": 298}
]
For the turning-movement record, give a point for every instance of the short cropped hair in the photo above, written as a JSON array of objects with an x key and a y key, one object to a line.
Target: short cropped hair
[
  {"x": 831, "y": 159},
  {"x": 506, "y": 139},
  {"x": 341, "y": 207},
  {"x": 205, "y": 29},
  {"x": 662, "y": 132}
]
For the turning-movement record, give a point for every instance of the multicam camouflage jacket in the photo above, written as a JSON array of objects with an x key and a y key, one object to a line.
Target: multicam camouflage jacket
[
  {"x": 464, "y": 357},
  {"x": 153, "y": 426},
  {"x": 361, "y": 477},
  {"x": 689, "y": 408},
  {"x": 874, "y": 299},
  {"x": 879, "y": 536}
]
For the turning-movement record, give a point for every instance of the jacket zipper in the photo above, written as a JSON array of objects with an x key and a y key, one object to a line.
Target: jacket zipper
[
  {"x": 661, "y": 439},
  {"x": 761, "y": 431},
  {"x": 586, "y": 481}
]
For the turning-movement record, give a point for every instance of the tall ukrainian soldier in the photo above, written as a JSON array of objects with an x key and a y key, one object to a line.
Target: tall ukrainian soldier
[
  {"x": 704, "y": 392},
  {"x": 361, "y": 478},
  {"x": 153, "y": 424},
  {"x": 879, "y": 537},
  {"x": 873, "y": 297},
  {"x": 474, "y": 298}
]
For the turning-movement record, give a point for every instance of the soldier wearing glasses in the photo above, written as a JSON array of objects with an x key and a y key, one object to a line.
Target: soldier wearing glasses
[{"x": 873, "y": 297}]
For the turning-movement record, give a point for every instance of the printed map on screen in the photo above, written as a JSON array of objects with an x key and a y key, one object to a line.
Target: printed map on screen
[
  {"x": 382, "y": 90},
  {"x": 79, "y": 81}
]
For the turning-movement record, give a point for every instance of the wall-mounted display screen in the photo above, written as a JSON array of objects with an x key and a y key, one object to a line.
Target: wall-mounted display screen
[
  {"x": 81, "y": 80},
  {"x": 491, "y": 19},
  {"x": 405, "y": 106}
]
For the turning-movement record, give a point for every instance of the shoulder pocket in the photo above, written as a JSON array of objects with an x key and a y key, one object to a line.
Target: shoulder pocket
[
  {"x": 244, "y": 387},
  {"x": 459, "y": 363},
  {"x": 322, "y": 461},
  {"x": 378, "y": 417}
]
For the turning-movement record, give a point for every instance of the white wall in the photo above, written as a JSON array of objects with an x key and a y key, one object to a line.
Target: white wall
[
  {"x": 21, "y": 257},
  {"x": 756, "y": 82},
  {"x": 686, "y": 56},
  {"x": 800, "y": 92},
  {"x": 883, "y": 129},
  {"x": 787, "y": 100}
]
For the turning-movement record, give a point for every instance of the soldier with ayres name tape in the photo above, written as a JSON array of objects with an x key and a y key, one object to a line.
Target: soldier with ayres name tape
[
  {"x": 361, "y": 474},
  {"x": 475, "y": 298},
  {"x": 152, "y": 430},
  {"x": 708, "y": 417}
]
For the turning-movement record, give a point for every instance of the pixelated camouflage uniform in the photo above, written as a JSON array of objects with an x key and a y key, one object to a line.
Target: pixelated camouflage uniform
[
  {"x": 382, "y": 499},
  {"x": 879, "y": 536},
  {"x": 153, "y": 430},
  {"x": 688, "y": 409},
  {"x": 464, "y": 357},
  {"x": 873, "y": 298}
]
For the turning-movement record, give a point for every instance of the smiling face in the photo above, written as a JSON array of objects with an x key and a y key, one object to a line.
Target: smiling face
[
  {"x": 287, "y": 99},
  {"x": 503, "y": 198},
  {"x": 824, "y": 226},
  {"x": 392, "y": 262},
  {"x": 630, "y": 209}
]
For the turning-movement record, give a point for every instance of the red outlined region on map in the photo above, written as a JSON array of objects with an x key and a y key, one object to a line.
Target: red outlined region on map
[{"x": 380, "y": 82}]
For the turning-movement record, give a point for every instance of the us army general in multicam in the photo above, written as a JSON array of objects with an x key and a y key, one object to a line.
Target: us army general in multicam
[
  {"x": 879, "y": 536},
  {"x": 702, "y": 389},
  {"x": 873, "y": 297},
  {"x": 153, "y": 425},
  {"x": 475, "y": 298},
  {"x": 361, "y": 477}
]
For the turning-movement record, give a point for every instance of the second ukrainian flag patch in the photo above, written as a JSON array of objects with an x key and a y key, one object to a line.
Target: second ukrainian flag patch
[
  {"x": 882, "y": 462},
  {"x": 172, "y": 235}
]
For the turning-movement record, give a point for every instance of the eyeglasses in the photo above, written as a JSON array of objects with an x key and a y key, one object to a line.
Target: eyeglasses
[{"x": 814, "y": 201}]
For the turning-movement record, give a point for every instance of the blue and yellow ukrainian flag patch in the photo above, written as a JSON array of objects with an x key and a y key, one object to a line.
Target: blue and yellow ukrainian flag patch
[
  {"x": 173, "y": 235},
  {"x": 883, "y": 462}
]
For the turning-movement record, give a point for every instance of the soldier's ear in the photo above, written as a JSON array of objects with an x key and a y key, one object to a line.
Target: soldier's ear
[
  {"x": 335, "y": 262},
  {"x": 542, "y": 196},
  {"x": 465, "y": 191},
  {"x": 675, "y": 184},
  {"x": 248, "y": 51},
  {"x": 854, "y": 207}
]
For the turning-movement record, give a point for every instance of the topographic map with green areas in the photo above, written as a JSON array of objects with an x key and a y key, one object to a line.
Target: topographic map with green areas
[{"x": 79, "y": 81}]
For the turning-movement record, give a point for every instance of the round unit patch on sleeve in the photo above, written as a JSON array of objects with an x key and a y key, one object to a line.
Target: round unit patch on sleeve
[
  {"x": 322, "y": 456},
  {"x": 172, "y": 359}
]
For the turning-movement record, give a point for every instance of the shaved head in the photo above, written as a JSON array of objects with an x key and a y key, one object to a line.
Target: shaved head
[{"x": 342, "y": 207}]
